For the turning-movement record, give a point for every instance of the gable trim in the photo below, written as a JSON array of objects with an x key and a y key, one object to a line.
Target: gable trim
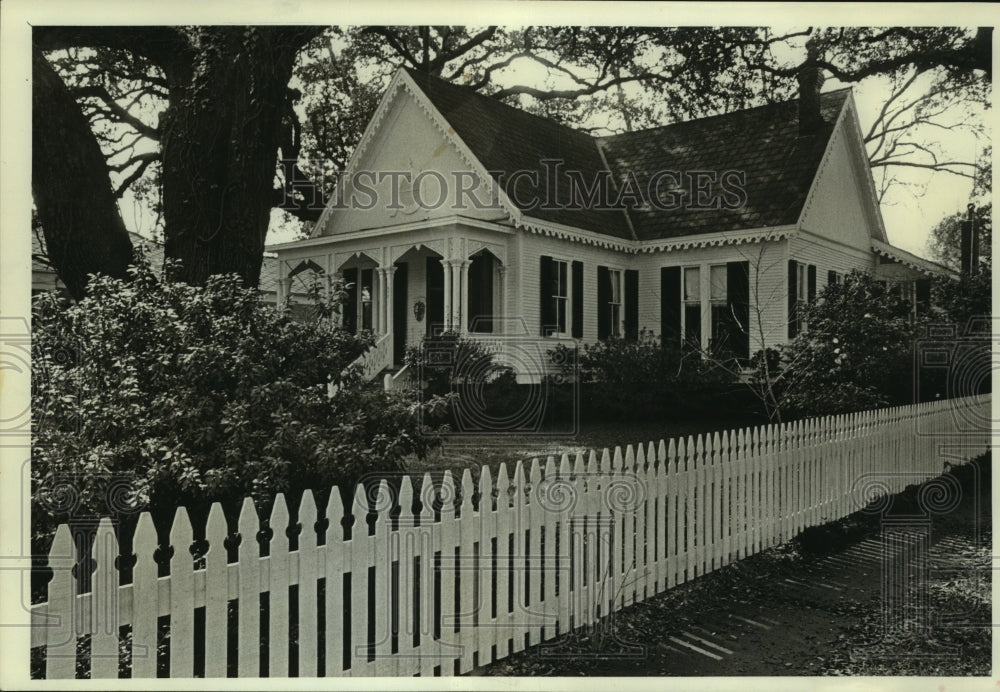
[
  {"x": 910, "y": 260},
  {"x": 401, "y": 81},
  {"x": 578, "y": 235},
  {"x": 754, "y": 235},
  {"x": 859, "y": 166}
]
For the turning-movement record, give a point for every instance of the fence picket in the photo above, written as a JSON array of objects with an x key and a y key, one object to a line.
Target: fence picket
[
  {"x": 503, "y": 556},
  {"x": 337, "y": 563},
  {"x": 519, "y": 553},
  {"x": 469, "y": 532},
  {"x": 703, "y": 515},
  {"x": 534, "y": 606},
  {"x": 62, "y": 621},
  {"x": 181, "y": 597},
  {"x": 386, "y": 600},
  {"x": 105, "y": 609},
  {"x": 486, "y": 632},
  {"x": 564, "y": 546},
  {"x": 308, "y": 590},
  {"x": 278, "y": 625},
  {"x": 578, "y": 535},
  {"x": 144, "y": 590},
  {"x": 662, "y": 523},
  {"x": 406, "y": 624},
  {"x": 640, "y": 497},
  {"x": 360, "y": 556},
  {"x": 216, "y": 593},
  {"x": 430, "y": 542},
  {"x": 248, "y": 613}
]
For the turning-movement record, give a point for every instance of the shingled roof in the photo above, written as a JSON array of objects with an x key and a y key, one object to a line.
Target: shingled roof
[
  {"x": 764, "y": 143},
  {"x": 506, "y": 140}
]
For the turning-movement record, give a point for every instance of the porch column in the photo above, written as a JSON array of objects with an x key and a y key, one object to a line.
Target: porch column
[
  {"x": 380, "y": 303},
  {"x": 456, "y": 296},
  {"x": 447, "y": 293},
  {"x": 463, "y": 306},
  {"x": 338, "y": 316},
  {"x": 500, "y": 326},
  {"x": 389, "y": 271},
  {"x": 283, "y": 284}
]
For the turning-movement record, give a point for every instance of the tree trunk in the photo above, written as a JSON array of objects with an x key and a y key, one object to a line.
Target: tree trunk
[
  {"x": 220, "y": 141},
  {"x": 83, "y": 229}
]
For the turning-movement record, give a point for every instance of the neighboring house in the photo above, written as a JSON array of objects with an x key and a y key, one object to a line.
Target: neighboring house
[{"x": 44, "y": 278}]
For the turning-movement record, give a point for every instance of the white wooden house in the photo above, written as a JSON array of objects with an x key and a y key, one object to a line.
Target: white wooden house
[{"x": 458, "y": 212}]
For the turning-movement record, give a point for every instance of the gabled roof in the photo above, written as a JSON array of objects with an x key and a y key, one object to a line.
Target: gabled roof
[
  {"x": 762, "y": 142},
  {"x": 507, "y": 140}
]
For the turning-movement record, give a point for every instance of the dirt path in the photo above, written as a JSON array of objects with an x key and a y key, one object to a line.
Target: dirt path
[{"x": 909, "y": 597}]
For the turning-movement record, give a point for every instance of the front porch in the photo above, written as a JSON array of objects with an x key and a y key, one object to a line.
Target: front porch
[{"x": 405, "y": 291}]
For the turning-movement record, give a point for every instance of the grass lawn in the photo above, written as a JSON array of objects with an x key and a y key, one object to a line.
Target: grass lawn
[{"x": 459, "y": 452}]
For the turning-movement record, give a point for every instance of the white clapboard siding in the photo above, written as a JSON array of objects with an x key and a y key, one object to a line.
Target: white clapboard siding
[{"x": 556, "y": 545}]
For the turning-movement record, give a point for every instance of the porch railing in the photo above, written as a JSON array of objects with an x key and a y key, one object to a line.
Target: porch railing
[{"x": 372, "y": 362}]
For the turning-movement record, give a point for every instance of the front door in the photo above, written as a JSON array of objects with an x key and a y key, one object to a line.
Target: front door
[
  {"x": 481, "y": 293},
  {"x": 435, "y": 296},
  {"x": 399, "y": 310}
]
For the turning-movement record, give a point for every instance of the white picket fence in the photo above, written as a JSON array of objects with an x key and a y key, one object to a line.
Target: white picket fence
[{"x": 504, "y": 564}]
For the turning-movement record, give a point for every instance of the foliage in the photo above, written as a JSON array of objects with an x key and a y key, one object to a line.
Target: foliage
[
  {"x": 641, "y": 379},
  {"x": 176, "y": 394},
  {"x": 945, "y": 241},
  {"x": 155, "y": 95},
  {"x": 856, "y": 354},
  {"x": 463, "y": 371},
  {"x": 964, "y": 299}
]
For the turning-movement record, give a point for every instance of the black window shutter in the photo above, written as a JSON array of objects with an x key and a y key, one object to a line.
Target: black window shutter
[
  {"x": 603, "y": 303},
  {"x": 351, "y": 306},
  {"x": 811, "y": 279},
  {"x": 738, "y": 290},
  {"x": 670, "y": 305},
  {"x": 923, "y": 295},
  {"x": 546, "y": 309},
  {"x": 631, "y": 304},
  {"x": 577, "y": 300},
  {"x": 831, "y": 277},
  {"x": 793, "y": 305}
]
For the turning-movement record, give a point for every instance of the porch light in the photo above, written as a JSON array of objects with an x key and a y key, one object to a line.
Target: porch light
[{"x": 418, "y": 310}]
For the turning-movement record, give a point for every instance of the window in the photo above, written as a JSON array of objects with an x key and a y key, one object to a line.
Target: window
[
  {"x": 692, "y": 306},
  {"x": 366, "y": 299},
  {"x": 615, "y": 302},
  {"x": 560, "y": 294},
  {"x": 719, "y": 299}
]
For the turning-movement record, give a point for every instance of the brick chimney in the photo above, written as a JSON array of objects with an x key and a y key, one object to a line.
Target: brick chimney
[{"x": 810, "y": 78}]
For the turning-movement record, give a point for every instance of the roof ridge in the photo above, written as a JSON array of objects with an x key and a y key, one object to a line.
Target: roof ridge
[
  {"x": 417, "y": 76},
  {"x": 717, "y": 115}
]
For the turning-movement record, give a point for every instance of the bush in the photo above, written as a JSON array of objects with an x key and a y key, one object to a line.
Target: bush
[
  {"x": 196, "y": 394},
  {"x": 642, "y": 379},
  {"x": 454, "y": 368},
  {"x": 857, "y": 353}
]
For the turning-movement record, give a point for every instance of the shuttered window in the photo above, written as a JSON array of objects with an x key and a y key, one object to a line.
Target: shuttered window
[{"x": 556, "y": 299}]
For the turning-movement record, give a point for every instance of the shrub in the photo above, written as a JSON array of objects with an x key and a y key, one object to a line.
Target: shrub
[
  {"x": 455, "y": 368},
  {"x": 642, "y": 379},
  {"x": 197, "y": 394},
  {"x": 857, "y": 353}
]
